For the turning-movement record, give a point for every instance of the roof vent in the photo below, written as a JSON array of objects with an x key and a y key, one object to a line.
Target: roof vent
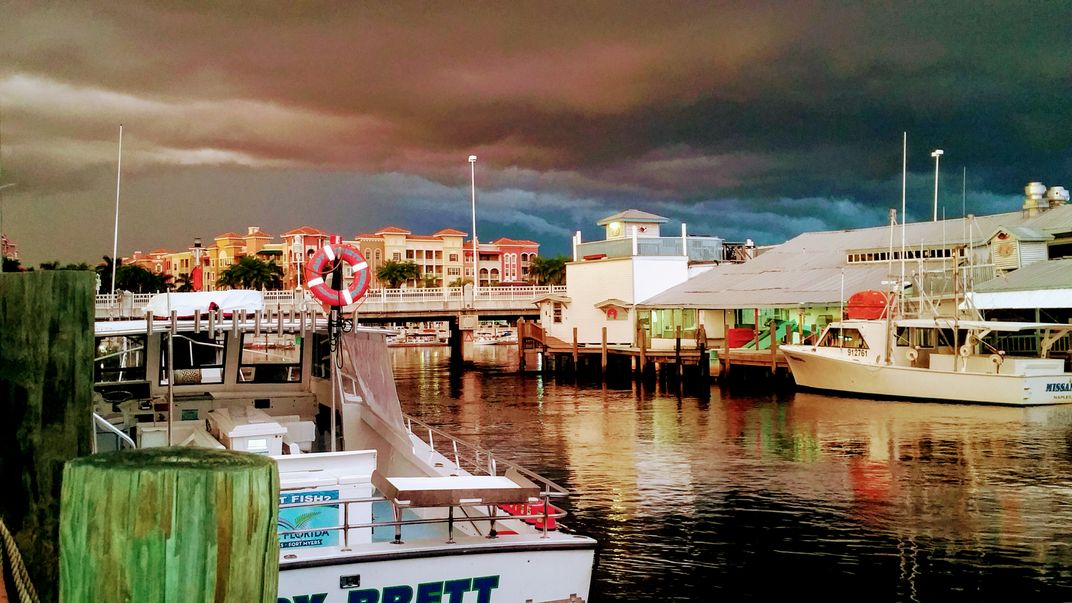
[
  {"x": 1033, "y": 193},
  {"x": 1056, "y": 195}
]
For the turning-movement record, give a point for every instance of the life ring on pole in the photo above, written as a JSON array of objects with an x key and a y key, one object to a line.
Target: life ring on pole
[{"x": 319, "y": 268}]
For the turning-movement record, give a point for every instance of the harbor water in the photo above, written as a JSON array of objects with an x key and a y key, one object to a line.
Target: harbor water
[{"x": 753, "y": 496}]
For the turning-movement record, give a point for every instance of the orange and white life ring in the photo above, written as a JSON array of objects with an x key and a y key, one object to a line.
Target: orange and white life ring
[{"x": 320, "y": 265}]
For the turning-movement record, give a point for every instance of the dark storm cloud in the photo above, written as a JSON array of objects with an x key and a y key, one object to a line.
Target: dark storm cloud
[{"x": 747, "y": 120}]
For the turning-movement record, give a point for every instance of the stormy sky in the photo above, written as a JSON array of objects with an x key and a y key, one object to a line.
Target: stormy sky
[{"x": 745, "y": 120}]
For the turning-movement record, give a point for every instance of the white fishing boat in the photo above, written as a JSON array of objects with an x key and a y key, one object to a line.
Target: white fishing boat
[
  {"x": 374, "y": 505},
  {"x": 938, "y": 358}
]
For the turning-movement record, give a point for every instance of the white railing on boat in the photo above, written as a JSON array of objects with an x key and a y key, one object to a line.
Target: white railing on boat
[{"x": 347, "y": 525}]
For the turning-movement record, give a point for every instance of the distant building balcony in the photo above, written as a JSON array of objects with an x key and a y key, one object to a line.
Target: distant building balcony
[{"x": 700, "y": 249}]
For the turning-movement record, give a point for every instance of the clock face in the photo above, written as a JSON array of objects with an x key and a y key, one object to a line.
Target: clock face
[
  {"x": 1004, "y": 249},
  {"x": 615, "y": 229}
]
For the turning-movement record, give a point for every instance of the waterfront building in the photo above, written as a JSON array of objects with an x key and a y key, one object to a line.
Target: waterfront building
[
  {"x": 156, "y": 261},
  {"x": 607, "y": 278},
  {"x": 806, "y": 279},
  {"x": 503, "y": 261},
  {"x": 298, "y": 246},
  {"x": 443, "y": 257},
  {"x": 438, "y": 256}
]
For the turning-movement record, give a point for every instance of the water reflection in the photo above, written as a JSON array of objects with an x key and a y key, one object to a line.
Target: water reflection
[{"x": 750, "y": 496}]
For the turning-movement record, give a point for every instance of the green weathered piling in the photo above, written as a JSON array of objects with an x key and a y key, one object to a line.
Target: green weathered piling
[
  {"x": 46, "y": 388},
  {"x": 170, "y": 525}
]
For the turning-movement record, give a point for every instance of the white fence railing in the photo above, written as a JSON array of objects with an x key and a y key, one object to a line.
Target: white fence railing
[{"x": 125, "y": 304}]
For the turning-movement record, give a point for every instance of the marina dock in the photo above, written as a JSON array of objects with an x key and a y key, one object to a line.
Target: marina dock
[{"x": 693, "y": 363}]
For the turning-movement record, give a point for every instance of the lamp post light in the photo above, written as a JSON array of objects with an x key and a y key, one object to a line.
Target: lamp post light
[
  {"x": 937, "y": 153},
  {"x": 476, "y": 245}
]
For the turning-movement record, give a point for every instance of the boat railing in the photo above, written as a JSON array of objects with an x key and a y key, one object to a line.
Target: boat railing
[
  {"x": 545, "y": 517},
  {"x": 1028, "y": 343},
  {"x": 477, "y": 460},
  {"x": 122, "y": 438}
]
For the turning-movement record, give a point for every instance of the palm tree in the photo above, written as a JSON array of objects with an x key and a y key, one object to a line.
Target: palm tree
[
  {"x": 139, "y": 280},
  {"x": 548, "y": 271},
  {"x": 104, "y": 271},
  {"x": 395, "y": 273},
  {"x": 184, "y": 282},
  {"x": 252, "y": 273}
]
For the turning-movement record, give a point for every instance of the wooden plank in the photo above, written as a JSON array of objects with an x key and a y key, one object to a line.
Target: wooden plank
[{"x": 46, "y": 388}]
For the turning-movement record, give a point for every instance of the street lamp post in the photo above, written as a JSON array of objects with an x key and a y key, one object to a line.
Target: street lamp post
[
  {"x": 476, "y": 245},
  {"x": 937, "y": 153}
]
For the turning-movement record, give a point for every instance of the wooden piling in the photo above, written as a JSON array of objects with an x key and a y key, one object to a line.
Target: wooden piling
[
  {"x": 575, "y": 347},
  {"x": 642, "y": 342},
  {"x": 170, "y": 524},
  {"x": 603, "y": 356},
  {"x": 46, "y": 388},
  {"x": 773, "y": 347}
]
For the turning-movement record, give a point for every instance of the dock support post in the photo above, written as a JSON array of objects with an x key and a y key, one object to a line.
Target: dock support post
[
  {"x": 678, "y": 366},
  {"x": 642, "y": 343},
  {"x": 520, "y": 345},
  {"x": 773, "y": 347},
  {"x": 457, "y": 354},
  {"x": 603, "y": 357},
  {"x": 46, "y": 396},
  {"x": 575, "y": 353}
]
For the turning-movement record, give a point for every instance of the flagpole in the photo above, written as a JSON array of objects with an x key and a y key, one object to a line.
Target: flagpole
[{"x": 115, "y": 239}]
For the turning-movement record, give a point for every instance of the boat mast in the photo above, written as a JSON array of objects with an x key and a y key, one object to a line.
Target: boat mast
[
  {"x": 904, "y": 221},
  {"x": 889, "y": 298}
]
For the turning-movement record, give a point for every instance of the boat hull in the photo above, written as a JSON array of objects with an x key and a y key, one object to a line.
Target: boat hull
[
  {"x": 506, "y": 572},
  {"x": 814, "y": 369}
]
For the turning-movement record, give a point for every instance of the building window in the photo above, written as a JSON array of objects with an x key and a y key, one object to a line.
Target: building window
[
  {"x": 454, "y": 257},
  {"x": 396, "y": 256},
  {"x": 454, "y": 271},
  {"x": 556, "y": 312},
  {"x": 409, "y": 254}
]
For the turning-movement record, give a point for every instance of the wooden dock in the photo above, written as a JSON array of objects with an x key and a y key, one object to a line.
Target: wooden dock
[{"x": 688, "y": 359}]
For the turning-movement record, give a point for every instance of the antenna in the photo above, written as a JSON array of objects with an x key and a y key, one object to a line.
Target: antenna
[{"x": 115, "y": 239}]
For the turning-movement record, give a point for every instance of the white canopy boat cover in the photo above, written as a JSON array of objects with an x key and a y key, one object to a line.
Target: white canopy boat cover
[
  {"x": 200, "y": 302},
  {"x": 980, "y": 325}
]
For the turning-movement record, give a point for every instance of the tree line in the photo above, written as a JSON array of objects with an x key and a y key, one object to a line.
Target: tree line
[{"x": 251, "y": 272}]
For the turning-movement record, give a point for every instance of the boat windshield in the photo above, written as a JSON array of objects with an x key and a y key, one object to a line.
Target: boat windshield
[{"x": 837, "y": 337}]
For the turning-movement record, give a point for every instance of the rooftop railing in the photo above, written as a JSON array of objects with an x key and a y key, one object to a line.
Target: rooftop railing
[{"x": 698, "y": 249}]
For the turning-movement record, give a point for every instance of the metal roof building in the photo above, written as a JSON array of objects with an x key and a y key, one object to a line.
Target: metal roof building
[{"x": 808, "y": 269}]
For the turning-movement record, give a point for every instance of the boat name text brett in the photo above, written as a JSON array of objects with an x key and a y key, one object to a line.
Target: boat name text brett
[{"x": 448, "y": 591}]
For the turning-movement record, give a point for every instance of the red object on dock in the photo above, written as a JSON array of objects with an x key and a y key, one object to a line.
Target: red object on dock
[
  {"x": 737, "y": 337},
  {"x": 866, "y": 305}
]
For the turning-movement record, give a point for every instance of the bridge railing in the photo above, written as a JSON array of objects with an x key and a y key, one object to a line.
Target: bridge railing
[{"x": 132, "y": 305}]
